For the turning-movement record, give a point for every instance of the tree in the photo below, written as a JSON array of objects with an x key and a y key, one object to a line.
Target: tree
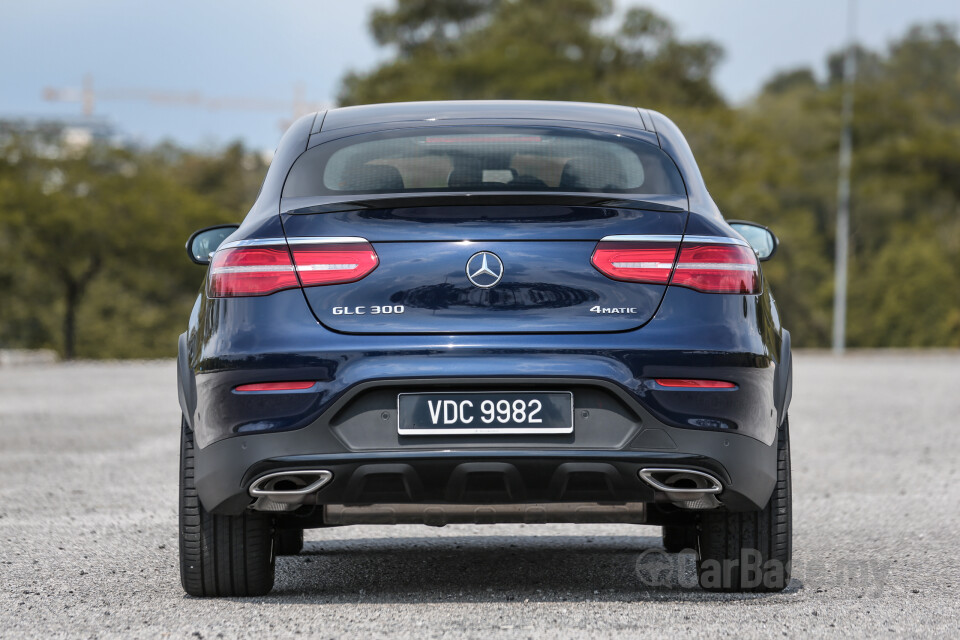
[
  {"x": 96, "y": 234},
  {"x": 772, "y": 160},
  {"x": 785, "y": 81},
  {"x": 91, "y": 238},
  {"x": 532, "y": 49}
]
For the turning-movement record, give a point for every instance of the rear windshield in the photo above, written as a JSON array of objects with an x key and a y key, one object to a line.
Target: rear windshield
[{"x": 458, "y": 159}]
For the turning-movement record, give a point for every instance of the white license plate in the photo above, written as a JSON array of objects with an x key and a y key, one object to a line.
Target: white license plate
[{"x": 485, "y": 412}]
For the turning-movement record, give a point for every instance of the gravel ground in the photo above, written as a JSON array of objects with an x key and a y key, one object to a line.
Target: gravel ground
[{"x": 88, "y": 547}]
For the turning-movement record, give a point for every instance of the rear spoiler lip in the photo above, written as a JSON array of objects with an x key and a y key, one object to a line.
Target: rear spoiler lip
[{"x": 333, "y": 204}]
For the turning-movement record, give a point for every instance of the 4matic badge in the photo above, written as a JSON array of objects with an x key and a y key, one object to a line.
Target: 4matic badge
[{"x": 598, "y": 309}]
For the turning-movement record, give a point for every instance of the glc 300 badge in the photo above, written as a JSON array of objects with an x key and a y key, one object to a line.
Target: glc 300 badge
[{"x": 484, "y": 269}]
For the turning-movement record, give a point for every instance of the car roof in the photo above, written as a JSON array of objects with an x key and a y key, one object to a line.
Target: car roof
[{"x": 397, "y": 112}]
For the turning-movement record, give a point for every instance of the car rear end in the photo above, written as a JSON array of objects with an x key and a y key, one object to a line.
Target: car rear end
[{"x": 484, "y": 321}]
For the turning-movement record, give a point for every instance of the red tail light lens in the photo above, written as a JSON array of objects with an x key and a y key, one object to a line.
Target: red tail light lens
[
  {"x": 260, "y": 271},
  {"x": 649, "y": 262},
  {"x": 251, "y": 271},
  {"x": 710, "y": 267},
  {"x": 333, "y": 263},
  {"x": 717, "y": 268}
]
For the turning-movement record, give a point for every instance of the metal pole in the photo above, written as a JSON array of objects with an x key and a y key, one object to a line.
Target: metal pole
[
  {"x": 843, "y": 188},
  {"x": 87, "y": 96}
]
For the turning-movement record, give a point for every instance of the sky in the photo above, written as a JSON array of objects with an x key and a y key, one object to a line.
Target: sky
[{"x": 256, "y": 49}]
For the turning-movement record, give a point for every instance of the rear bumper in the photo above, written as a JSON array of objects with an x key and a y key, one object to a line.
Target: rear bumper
[
  {"x": 346, "y": 423},
  {"x": 495, "y": 470}
]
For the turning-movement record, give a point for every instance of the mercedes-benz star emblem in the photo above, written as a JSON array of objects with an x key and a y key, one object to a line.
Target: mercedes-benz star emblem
[{"x": 484, "y": 269}]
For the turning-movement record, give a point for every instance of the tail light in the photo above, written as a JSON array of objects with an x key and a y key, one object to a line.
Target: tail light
[
  {"x": 717, "y": 268},
  {"x": 251, "y": 271},
  {"x": 262, "y": 270},
  {"x": 710, "y": 266},
  {"x": 333, "y": 263},
  {"x": 649, "y": 262}
]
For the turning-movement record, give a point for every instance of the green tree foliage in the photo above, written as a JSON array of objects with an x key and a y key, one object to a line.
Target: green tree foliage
[
  {"x": 92, "y": 241},
  {"x": 772, "y": 160},
  {"x": 775, "y": 161},
  {"x": 532, "y": 49},
  {"x": 91, "y": 238}
]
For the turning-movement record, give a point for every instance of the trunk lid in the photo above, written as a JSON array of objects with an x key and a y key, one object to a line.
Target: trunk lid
[{"x": 539, "y": 255}]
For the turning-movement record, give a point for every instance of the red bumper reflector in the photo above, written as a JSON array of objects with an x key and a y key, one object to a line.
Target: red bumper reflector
[
  {"x": 690, "y": 383},
  {"x": 300, "y": 385}
]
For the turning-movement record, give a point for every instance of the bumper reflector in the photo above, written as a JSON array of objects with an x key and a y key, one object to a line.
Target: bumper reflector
[
  {"x": 299, "y": 385},
  {"x": 691, "y": 383}
]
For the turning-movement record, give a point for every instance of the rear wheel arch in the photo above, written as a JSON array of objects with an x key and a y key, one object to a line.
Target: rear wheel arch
[
  {"x": 186, "y": 382},
  {"x": 783, "y": 378}
]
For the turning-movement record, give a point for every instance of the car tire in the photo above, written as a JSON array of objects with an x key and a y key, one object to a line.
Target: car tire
[
  {"x": 289, "y": 542},
  {"x": 220, "y": 555},
  {"x": 677, "y": 538},
  {"x": 751, "y": 551}
]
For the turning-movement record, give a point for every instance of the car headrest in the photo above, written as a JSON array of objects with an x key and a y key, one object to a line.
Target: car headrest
[
  {"x": 585, "y": 172},
  {"x": 374, "y": 177},
  {"x": 465, "y": 175}
]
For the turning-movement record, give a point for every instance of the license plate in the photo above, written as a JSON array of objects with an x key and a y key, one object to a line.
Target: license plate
[{"x": 480, "y": 412}]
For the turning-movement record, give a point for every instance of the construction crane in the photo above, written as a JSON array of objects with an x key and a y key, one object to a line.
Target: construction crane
[{"x": 88, "y": 97}]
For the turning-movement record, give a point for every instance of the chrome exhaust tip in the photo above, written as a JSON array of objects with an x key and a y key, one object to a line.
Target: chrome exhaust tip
[
  {"x": 286, "y": 490},
  {"x": 687, "y": 488}
]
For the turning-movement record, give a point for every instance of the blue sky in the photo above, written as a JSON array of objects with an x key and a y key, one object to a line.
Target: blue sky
[{"x": 263, "y": 49}]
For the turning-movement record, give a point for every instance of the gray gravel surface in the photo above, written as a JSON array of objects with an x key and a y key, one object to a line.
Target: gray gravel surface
[{"x": 88, "y": 547}]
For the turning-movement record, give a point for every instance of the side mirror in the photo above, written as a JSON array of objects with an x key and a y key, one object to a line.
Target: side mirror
[
  {"x": 761, "y": 239},
  {"x": 203, "y": 243}
]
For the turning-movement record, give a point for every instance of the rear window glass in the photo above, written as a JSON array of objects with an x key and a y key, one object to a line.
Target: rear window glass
[{"x": 478, "y": 159}]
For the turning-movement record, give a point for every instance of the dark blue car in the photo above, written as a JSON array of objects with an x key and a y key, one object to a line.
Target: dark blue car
[{"x": 482, "y": 312}]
